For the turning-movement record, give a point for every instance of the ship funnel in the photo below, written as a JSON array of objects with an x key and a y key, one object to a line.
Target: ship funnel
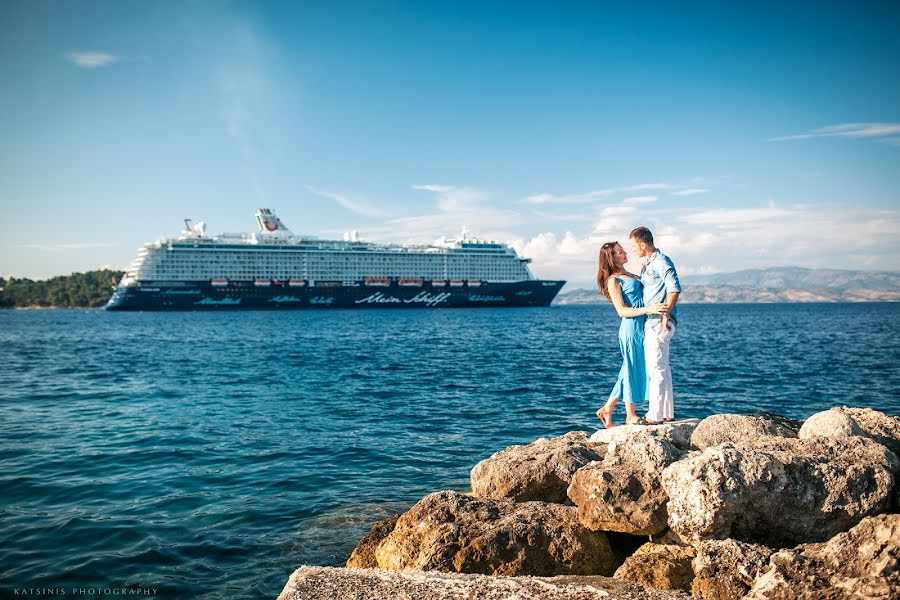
[
  {"x": 270, "y": 223},
  {"x": 198, "y": 230}
]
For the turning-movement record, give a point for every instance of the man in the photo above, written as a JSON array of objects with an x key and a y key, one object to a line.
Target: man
[{"x": 660, "y": 285}]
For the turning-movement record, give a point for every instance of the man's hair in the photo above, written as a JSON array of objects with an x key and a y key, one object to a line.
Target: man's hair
[{"x": 642, "y": 234}]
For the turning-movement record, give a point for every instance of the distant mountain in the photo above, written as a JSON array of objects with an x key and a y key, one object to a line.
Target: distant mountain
[{"x": 777, "y": 284}]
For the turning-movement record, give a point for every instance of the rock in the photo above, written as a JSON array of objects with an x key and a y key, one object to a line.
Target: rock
[
  {"x": 541, "y": 470},
  {"x": 718, "y": 429},
  {"x": 726, "y": 569},
  {"x": 846, "y": 421},
  {"x": 328, "y": 583},
  {"x": 883, "y": 429},
  {"x": 661, "y": 566},
  {"x": 779, "y": 491},
  {"x": 363, "y": 556},
  {"x": 829, "y": 423},
  {"x": 677, "y": 433},
  {"x": 623, "y": 492},
  {"x": 860, "y": 563},
  {"x": 448, "y": 531}
]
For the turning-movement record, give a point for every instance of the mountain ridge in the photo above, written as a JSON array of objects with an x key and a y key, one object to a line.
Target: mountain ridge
[{"x": 774, "y": 285}]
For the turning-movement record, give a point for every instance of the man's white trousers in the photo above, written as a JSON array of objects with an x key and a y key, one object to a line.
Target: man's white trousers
[{"x": 659, "y": 375}]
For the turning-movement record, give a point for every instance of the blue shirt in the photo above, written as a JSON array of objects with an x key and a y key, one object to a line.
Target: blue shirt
[{"x": 659, "y": 278}]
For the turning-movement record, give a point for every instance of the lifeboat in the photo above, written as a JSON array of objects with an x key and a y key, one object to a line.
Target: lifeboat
[
  {"x": 474, "y": 283},
  {"x": 378, "y": 281},
  {"x": 262, "y": 282},
  {"x": 219, "y": 282},
  {"x": 438, "y": 283},
  {"x": 296, "y": 283},
  {"x": 456, "y": 283},
  {"x": 410, "y": 282}
]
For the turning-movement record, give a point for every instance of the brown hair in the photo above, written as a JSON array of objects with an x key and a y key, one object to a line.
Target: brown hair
[
  {"x": 642, "y": 234},
  {"x": 606, "y": 267}
]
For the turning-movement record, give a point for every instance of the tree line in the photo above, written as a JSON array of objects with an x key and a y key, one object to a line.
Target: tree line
[{"x": 78, "y": 290}]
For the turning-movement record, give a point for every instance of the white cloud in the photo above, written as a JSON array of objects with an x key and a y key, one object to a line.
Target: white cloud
[
  {"x": 618, "y": 210},
  {"x": 727, "y": 217},
  {"x": 351, "y": 205},
  {"x": 648, "y": 186},
  {"x": 615, "y": 221},
  {"x": 845, "y": 130},
  {"x": 640, "y": 200},
  {"x": 572, "y": 246},
  {"x": 567, "y": 199},
  {"x": 92, "y": 59},
  {"x": 452, "y": 198},
  {"x": 678, "y": 189},
  {"x": 440, "y": 189}
]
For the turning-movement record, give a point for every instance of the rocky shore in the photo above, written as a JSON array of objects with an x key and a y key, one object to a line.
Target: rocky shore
[{"x": 733, "y": 506}]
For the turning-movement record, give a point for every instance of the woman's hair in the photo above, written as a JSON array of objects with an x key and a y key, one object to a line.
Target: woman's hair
[{"x": 606, "y": 267}]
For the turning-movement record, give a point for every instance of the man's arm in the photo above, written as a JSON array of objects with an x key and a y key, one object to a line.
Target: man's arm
[
  {"x": 673, "y": 290},
  {"x": 671, "y": 300}
]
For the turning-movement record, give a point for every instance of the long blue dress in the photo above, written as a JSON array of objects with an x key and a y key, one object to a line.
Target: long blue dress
[{"x": 632, "y": 381}]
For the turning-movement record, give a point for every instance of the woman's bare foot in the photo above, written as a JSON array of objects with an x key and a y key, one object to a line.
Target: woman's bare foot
[{"x": 604, "y": 413}]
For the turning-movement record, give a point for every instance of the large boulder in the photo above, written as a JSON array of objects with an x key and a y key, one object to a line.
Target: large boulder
[
  {"x": 860, "y": 563},
  {"x": 448, "y": 531},
  {"x": 329, "y": 583},
  {"x": 874, "y": 424},
  {"x": 541, "y": 470},
  {"x": 726, "y": 569},
  {"x": 846, "y": 421},
  {"x": 622, "y": 492},
  {"x": 661, "y": 566},
  {"x": 779, "y": 491},
  {"x": 829, "y": 423},
  {"x": 678, "y": 433},
  {"x": 718, "y": 429},
  {"x": 363, "y": 556}
]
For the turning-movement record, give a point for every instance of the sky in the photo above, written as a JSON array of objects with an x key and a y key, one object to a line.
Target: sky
[{"x": 744, "y": 137}]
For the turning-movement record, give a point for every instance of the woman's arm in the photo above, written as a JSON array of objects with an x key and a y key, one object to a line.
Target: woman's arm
[{"x": 615, "y": 294}]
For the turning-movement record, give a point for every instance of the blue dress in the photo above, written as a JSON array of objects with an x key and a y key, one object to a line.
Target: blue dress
[{"x": 632, "y": 382}]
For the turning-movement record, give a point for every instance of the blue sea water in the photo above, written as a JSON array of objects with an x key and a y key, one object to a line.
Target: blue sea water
[{"x": 207, "y": 455}]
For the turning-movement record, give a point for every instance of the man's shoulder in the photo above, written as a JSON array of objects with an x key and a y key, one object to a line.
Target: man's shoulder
[{"x": 663, "y": 259}]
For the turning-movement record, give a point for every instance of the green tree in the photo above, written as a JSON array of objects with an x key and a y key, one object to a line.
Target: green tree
[{"x": 81, "y": 290}]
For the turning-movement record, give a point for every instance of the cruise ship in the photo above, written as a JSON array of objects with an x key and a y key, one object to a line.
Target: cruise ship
[{"x": 275, "y": 269}]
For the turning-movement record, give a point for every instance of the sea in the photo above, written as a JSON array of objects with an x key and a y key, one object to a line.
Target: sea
[{"x": 208, "y": 455}]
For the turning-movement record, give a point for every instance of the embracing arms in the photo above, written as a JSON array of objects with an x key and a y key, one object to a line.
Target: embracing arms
[{"x": 615, "y": 295}]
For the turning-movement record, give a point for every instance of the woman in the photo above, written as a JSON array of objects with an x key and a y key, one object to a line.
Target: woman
[{"x": 625, "y": 292}]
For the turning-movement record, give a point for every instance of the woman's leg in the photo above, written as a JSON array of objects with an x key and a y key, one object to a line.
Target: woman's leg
[{"x": 631, "y": 417}]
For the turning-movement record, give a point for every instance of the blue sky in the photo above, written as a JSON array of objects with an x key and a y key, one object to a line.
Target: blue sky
[{"x": 745, "y": 137}]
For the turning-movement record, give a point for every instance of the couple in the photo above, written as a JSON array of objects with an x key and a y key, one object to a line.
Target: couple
[{"x": 647, "y": 307}]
